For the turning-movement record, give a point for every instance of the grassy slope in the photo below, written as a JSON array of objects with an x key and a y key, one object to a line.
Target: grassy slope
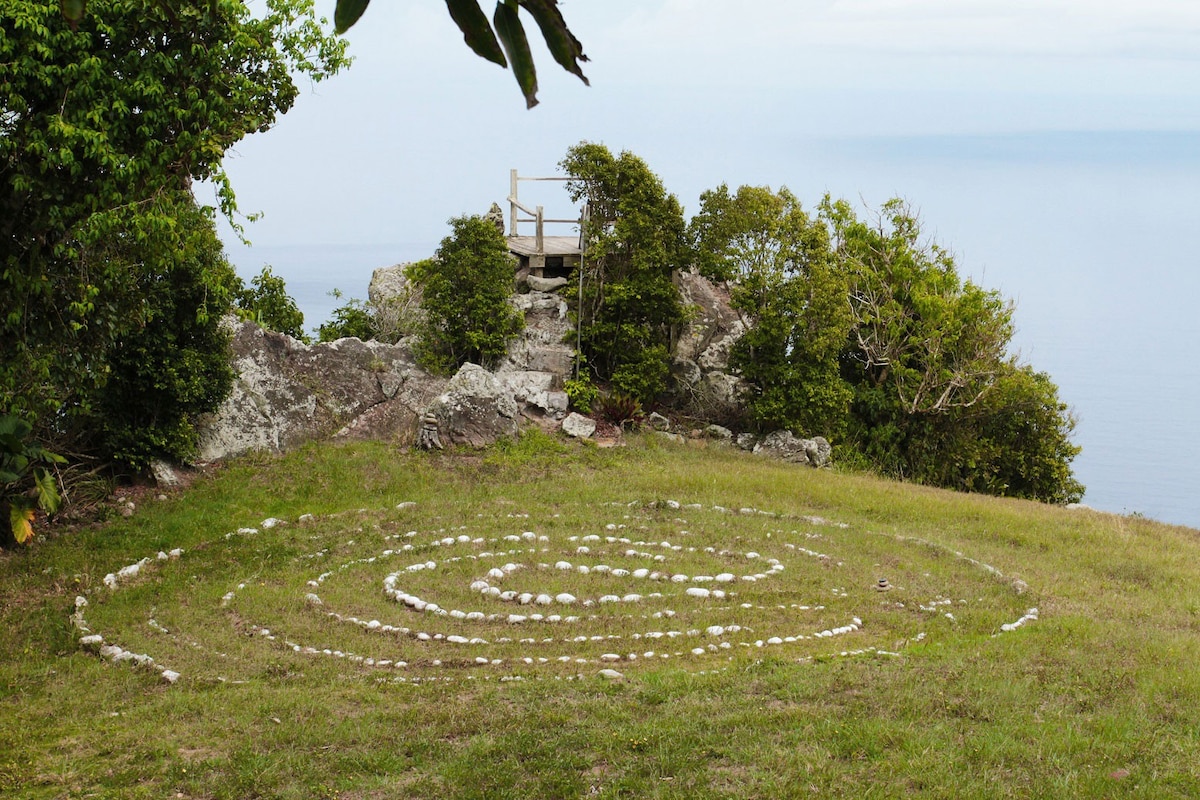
[{"x": 1099, "y": 697}]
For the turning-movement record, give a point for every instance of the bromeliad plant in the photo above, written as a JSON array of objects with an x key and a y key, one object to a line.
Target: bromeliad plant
[{"x": 26, "y": 482}]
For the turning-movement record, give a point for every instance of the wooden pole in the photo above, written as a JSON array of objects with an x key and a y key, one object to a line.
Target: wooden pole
[{"x": 512, "y": 206}]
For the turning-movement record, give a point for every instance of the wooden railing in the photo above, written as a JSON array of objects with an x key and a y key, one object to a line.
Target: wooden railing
[{"x": 536, "y": 215}]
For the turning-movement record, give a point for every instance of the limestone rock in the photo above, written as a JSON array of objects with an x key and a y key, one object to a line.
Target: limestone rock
[
  {"x": 537, "y": 390},
  {"x": 785, "y": 446},
  {"x": 658, "y": 422},
  {"x": 541, "y": 346},
  {"x": 388, "y": 282},
  {"x": 165, "y": 475},
  {"x": 579, "y": 426},
  {"x": 395, "y": 302},
  {"x": 476, "y": 409},
  {"x": 287, "y": 393},
  {"x": 704, "y": 339},
  {"x": 545, "y": 284},
  {"x": 495, "y": 215},
  {"x": 719, "y": 433}
]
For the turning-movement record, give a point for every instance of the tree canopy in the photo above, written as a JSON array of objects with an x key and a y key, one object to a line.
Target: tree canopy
[
  {"x": 863, "y": 331},
  {"x": 465, "y": 290},
  {"x": 634, "y": 240},
  {"x": 102, "y": 126}
]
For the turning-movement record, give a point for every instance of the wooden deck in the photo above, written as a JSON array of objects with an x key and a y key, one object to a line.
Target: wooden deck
[{"x": 551, "y": 246}]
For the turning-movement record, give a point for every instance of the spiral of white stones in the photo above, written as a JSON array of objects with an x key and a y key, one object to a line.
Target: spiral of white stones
[{"x": 712, "y": 639}]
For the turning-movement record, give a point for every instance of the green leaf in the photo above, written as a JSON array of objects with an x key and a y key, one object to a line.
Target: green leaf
[
  {"x": 47, "y": 491},
  {"x": 563, "y": 45},
  {"x": 516, "y": 45},
  {"x": 347, "y": 13},
  {"x": 477, "y": 32}
]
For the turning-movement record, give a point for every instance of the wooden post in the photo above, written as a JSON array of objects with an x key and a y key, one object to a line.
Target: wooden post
[
  {"x": 539, "y": 238},
  {"x": 512, "y": 206}
]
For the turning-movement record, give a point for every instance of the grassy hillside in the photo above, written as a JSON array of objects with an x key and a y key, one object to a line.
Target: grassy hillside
[{"x": 1020, "y": 651}]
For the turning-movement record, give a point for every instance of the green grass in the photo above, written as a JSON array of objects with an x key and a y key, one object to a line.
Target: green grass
[{"x": 1097, "y": 697}]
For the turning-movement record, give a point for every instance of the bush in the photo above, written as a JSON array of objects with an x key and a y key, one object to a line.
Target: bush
[
  {"x": 26, "y": 483},
  {"x": 354, "y": 318},
  {"x": 582, "y": 393},
  {"x": 628, "y": 306},
  {"x": 619, "y": 408},
  {"x": 176, "y": 364},
  {"x": 267, "y": 304},
  {"x": 465, "y": 294}
]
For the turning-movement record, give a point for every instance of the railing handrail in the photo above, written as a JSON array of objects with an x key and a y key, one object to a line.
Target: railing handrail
[{"x": 537, "y": 216}]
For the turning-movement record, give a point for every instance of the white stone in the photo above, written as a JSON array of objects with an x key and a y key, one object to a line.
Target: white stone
[
  {"x": 565, "y": 599},
  {"x": 578, "y": 426},
  {"x": 697, "y": 591},
  {"x": 170, "y": 675}
]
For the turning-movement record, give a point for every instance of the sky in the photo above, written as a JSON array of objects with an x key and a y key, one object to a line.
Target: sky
[{"x": 1053, "y": 145}]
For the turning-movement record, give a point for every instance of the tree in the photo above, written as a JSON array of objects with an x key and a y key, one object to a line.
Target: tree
[
  {"x": 101, "y": 126},
  {"x": 936, "y": 396},
  {"x": 937, "y": 340},
  {"x": 465, "y": 289},
  {"x": 505, "y": 34},
  {"x": 173, "y": 364},
  {"x": 792, "y": 297},
  {"x": 634, "y": 241}
]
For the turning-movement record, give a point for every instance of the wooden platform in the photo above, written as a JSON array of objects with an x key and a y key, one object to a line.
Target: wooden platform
[
  {"x": 558, "y": 256},
  {"x": 526, "y": 246}
]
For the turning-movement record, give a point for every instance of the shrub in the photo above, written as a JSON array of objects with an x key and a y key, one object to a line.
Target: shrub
[
  {"x": 628, "y": 305},
  {"x": 582, "y": 393},
  {"x": 26, "y": 484},
  {"x": 465, "y": 294},
  {"x": 619, "y": 408},
  {"x": 353, "y": 318},
  {"x": 175, "y": 365},
  {"x": 267, "y": 304}
]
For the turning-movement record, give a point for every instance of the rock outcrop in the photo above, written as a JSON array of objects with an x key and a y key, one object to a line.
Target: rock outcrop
[
  {"x": 540, "y": 358},
  {"x": 287, "y": 393},
  {"x": 785, "y": 446},
  {"x": 476, "y": 409},
  {"x": 705, "y": 387}
]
